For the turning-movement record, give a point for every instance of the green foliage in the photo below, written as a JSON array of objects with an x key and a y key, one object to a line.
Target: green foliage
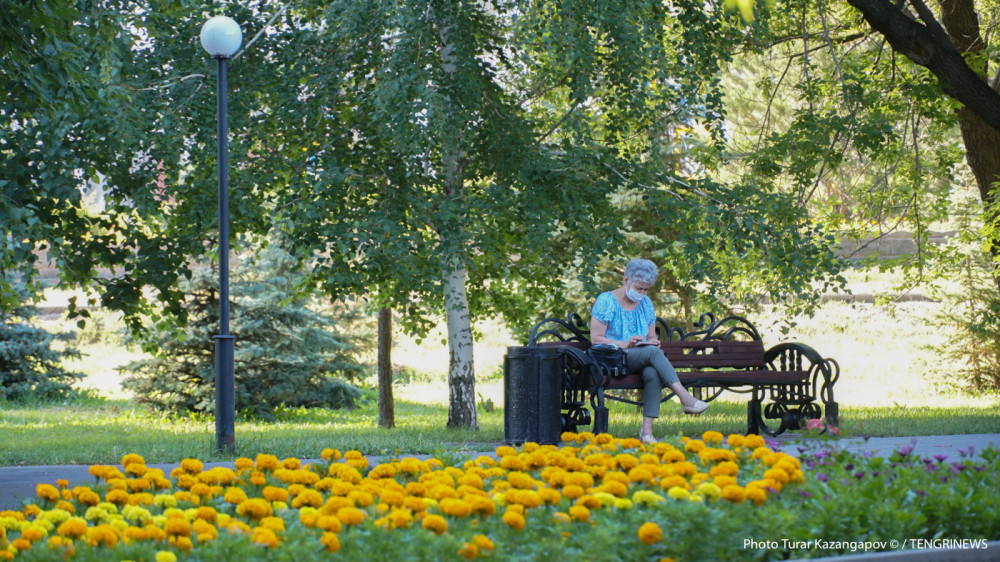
[
  {"x": 286, "y": 353},
  {"x": 972, "y": 311},
  {"x": 30, "y": 367}
]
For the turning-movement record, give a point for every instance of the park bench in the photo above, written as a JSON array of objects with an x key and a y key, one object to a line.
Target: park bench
[{"x": 783, "y": 382}]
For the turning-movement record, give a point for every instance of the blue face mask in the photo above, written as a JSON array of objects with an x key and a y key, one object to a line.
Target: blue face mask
[{"x": 633, "y": 295}]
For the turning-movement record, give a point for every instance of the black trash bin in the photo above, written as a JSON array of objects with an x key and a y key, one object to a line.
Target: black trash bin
[{"x": 532, "y": 395}]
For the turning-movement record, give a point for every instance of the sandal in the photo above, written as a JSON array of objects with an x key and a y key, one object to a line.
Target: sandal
[
  {"x": 647, "y": 439},
  {"x": 696, "y": 408}
]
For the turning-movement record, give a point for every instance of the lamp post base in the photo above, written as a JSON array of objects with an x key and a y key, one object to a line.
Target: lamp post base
[{"x": 225, "y": 394}]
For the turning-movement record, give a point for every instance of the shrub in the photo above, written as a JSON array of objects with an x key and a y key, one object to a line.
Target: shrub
[
  {"x": 285, "y": 354},
  {"x": 29, "y": 365}
]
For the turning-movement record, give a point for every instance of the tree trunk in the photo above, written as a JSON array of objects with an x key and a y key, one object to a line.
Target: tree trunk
[
  {"x": 386, "y": 405},
  {"x": 982, "y": 142},
  {"x": 461, "y": 371}
]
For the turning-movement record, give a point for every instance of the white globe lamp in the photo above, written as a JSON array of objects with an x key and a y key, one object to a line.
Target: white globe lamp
[{"x": 221, "y": 37}]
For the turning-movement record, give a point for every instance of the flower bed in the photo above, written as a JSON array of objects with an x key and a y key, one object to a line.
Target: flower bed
[{"x": 597, "y": 496}]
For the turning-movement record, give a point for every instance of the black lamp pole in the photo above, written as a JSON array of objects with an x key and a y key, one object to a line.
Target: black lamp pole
[{"x": 225, "y": 383}]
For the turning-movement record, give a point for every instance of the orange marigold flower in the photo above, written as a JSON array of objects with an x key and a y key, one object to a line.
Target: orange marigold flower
[
  {"x": 177, "y": 526},
  {"x": 262, "y": 536},
  {"x": 255, "y": 508},
  {"x": 468, "y": 551},
  {"x": 580, "y": 513},
  {"x": 243, "y": 463},
  {"x": 330, "y": 454},
  {"x": 291, "y": 463},
  {"x": 483, "y": 542},
  {"x": 276, "y": 494},
  {"x": 132, "y": 458},
  {"x": 455, "y": 507},
  {"x": 330, "y": 541},
  {"x": 267, "y": 462},
  {"x": 235, "y": 496},
  {"x": 74, "y": 527},
  {"x": 350, "y": 515},
  {"x": 435, "y": 523},
  {"x": 47, "y": 492},
  {"x": 62, "y": 483},
  {"x": 513, "y": 519},
  {"x": 650, "y": 533}
]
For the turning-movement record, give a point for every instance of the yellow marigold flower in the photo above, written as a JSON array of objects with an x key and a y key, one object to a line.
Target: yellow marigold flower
[
  {"x": 709, "y": 490},
  {"x": 650, "y": 533},
  {"x": 646, "y": 497},
  {"x": 579, "y": 513},
  {"x": 712, "y": 437},
  {"x": 614, "y": 488},
  {"x": 568, "y": 436},
  {"x": 74, "y": 527},
  {"x": 119, "y": 497},
  {"x": 204, "y": 530},
  {"x": 678, "y": 493},
  {"x": 62, "y": 543},
  {"x": 505, "y": 451},
  {"x": 33, "y": 533},
  {"x": 756, "y": 494},
  {"x": 165, "y": 556},
  {"x": 435, "y": 523},
  {"x": 521, "y": 480},
  {"x": 513, "y": 463},
  {"x": 235, "y": 496},
  {"x": 694, "y": 445},
  {"x": 513, "y": 519},
  {"x": 132, "y": 458},
  {"x": 262, "y": 536},
  {"x": 364, "y": 499},
  {"x": 640, "y": 474},
  {"x": 753, "y": 441},
  {"x": 588, "y": 501},
  {"x": 308, "y": 497},
  {"x": 267, "y": 463},
  {"x": 734, "y": 493},
  {"x": 674, "y": 482},
  {"x": 255, "y": 508},
  {"x": 191, "y": 466},
  {"x": 177, "y": 526},
  {"x": 723, "y": 481},
  {"x": 330, "y": 541},
  {"x": 727, "y": 468},
  {"x": 761, "y": 452},
  {"x": 481, "y": 505},
  {"x": 777, "y": 474},
  {"x": 550, "y": 496},
  {"x": 329, "y": 523},
  {"x": 329, "y": 454},
  {"x": 735, "y": 440},
  {"x": 455, "y": 507},
  {"x": 673, "y": 455},
  {"x": 468, "y": 551},
  {"x": 350, "y": 515},
  {"x": 243, "y": 463},
  {"x": 274, "y": 523},
  {"x": 291, "y": 463},
  {"x": 47, "y": 492},
  {"x": 483, "y": 542}
]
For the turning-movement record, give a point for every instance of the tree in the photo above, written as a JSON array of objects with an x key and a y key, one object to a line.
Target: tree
[{"x": 956, "y": 54}]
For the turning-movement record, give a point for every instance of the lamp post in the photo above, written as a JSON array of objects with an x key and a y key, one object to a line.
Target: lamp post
[{"x": 221, "y": 37}]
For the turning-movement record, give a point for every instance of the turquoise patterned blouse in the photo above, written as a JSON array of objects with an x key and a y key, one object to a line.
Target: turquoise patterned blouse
[{"x": 623, "y": 324}]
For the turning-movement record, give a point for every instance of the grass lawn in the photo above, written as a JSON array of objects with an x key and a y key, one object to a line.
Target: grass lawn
[{"x": 891, "y": 384}]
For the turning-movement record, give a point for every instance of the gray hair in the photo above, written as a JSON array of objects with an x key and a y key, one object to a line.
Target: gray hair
[{"x": 643, "y": 271}]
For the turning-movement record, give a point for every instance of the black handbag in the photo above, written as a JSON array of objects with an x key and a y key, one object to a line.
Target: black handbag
[{"x": 609, "y": 358}]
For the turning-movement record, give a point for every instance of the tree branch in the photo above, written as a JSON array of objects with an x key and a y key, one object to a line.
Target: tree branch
[{"x": 929, "y": 46}]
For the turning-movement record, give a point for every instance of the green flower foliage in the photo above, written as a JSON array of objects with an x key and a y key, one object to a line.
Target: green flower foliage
[
  {"x": 29, "y": 365},
  {"x": 286, "y": 352}
]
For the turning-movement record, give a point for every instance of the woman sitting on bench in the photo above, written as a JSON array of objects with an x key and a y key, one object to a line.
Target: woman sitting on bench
[{"x": 625, "y": 317}]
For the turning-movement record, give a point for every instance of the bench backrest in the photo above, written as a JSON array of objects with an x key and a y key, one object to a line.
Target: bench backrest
[{"x": 701, "y": 354}]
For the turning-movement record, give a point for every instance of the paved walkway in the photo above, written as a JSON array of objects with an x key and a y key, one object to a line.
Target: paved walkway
[{"x": 18, "y": 482}]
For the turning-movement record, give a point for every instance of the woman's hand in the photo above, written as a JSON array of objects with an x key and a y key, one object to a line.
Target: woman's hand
[{"x": 634, "y": 341}]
